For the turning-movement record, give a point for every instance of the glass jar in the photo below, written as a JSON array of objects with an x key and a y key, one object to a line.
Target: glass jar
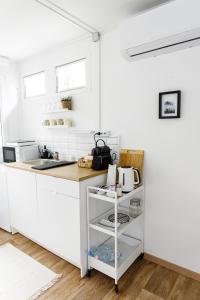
[{"x": 135, "y": 208}]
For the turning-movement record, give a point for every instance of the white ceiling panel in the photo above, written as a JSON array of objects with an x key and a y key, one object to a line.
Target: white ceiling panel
[
  {"x": 104, "y": 14},
  {"x": 27, "y": 28}
]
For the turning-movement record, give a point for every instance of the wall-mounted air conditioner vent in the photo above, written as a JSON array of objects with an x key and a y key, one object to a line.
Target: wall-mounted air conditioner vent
[{"x": 165, "y": 29}]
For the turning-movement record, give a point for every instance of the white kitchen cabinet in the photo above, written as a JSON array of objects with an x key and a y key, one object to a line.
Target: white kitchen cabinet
[
  {"x": 59, "y": 217},
  {"x": 4, "y": 203},
  {"x": 23, "y": 201},
  {"x": 52, "y": 212}
]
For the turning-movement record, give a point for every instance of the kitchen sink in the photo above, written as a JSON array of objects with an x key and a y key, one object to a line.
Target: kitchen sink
[
  {"x": 45, "y": 164},
  {"x": 37, "y": 162}
]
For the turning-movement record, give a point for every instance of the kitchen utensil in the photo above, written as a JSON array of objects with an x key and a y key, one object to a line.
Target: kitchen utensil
[
  {"x": 101, "y": 156},
  {"x": 111, "y": 176},
  {"x": 107, "y": 223},
  {"x": 114, "y": 158},
  {"x": 56, "y": 155},
  {"x": 110, "y": 191},
  {"x": 119, "y": 190},
  {"x": 103, "y": 189},
  {"x": 132, "y": 158},
  {"x": 45, "y": 153},
  {"x": 53, "y": 164},
  {"x": 121, "y": 218},
  {"x": 128, "y": 178}
]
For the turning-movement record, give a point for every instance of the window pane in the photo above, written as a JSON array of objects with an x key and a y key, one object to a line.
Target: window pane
[
  {"x": 34, "y": 85},
  {"x": 71, "y": 76}
]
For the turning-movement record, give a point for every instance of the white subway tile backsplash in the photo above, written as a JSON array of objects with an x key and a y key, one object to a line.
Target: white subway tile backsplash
[{"x": 74, "y": 147}]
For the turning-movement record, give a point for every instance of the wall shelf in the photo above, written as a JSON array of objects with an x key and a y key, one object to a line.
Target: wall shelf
[
  {"x": 57, "y": 127},
  {"x": 93, "y": 194},
  {"x": 57, "y": 111},
  {"x": 71, "y": 130}
]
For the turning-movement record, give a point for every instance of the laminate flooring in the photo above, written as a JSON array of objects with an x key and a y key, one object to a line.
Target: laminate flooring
[{"x": 144, "y": 280}]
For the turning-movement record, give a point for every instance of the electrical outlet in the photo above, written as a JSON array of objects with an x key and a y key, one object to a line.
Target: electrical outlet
[{"x": 105, "y": 133}]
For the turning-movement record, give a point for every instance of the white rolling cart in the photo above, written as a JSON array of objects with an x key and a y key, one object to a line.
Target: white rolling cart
[{"x": 127, "y": 239}]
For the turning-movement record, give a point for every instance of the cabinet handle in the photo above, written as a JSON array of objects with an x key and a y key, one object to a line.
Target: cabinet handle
[
  {"x": 55, "y": 193},
  {"x": 58, "y": 194}
]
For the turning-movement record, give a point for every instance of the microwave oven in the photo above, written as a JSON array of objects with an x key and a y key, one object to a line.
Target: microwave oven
[{"x": 20, "y": 153}]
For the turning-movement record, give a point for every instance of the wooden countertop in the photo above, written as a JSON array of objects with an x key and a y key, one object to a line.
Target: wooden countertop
[{"x": 71, "y": 172}]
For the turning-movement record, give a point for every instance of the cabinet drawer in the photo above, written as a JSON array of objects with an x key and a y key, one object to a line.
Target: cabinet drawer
[{"x": 59, "y": 186}]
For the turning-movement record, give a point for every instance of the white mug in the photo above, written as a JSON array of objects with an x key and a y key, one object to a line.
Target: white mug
[
  {"x": 53, "y": 122},
  {"x": 68, "y": 122}
]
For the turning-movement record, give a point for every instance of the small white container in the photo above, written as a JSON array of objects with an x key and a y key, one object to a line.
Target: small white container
[
  {"x": 119, "y": 190},
  {"x": 68, "y": 122},
  {"x": 111, "y": 189}
]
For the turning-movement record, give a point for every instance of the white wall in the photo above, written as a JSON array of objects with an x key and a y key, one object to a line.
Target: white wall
[
  {"x": 9, "y": 102},
  {"x": 85, "y": 114},
  {"x": 130, "y": 109},
  {"x": 172, "y": 147}
]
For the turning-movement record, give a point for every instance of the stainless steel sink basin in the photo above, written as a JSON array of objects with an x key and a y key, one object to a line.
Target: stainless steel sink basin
[
  {"x": 37, "y": 162},
  {"x": 45, "y": 164}
]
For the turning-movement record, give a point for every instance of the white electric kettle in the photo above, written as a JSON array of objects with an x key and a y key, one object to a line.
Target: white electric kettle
[{"x": 128, "y": 178}]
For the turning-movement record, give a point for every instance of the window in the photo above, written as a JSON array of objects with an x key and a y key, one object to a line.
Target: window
[
  {"x": 34, "y": 85},
  {"x": 71, "y": 76}
]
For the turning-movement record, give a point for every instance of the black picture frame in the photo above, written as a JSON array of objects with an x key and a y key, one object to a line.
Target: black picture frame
[{"x": 169, "y": 106}]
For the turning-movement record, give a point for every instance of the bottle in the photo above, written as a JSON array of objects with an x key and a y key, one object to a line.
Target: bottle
[{"x": 119, "y": 190}]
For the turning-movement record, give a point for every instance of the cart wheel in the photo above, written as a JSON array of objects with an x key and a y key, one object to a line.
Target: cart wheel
[
  {"x": 141, "y": 256},
  {"x": 88, "y": 273},
  {"x": 116, "y": 288}
]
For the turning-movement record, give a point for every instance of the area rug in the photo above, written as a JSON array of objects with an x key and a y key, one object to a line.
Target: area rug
[{"x": 21, "y": 277}]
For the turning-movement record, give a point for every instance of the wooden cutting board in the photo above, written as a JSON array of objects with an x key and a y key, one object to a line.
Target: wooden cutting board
[{"x": 132, "y": 158}]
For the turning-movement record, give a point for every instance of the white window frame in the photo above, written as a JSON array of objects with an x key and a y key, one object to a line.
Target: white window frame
[
  {"x": 78, "y": 87},
  {"x": 24, "y": 87}
]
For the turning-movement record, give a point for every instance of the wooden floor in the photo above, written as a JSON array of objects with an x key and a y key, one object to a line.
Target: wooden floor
[{"x": 143, "y": 281}]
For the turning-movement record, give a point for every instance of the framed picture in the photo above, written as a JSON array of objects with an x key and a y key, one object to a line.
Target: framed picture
[{"x": 169, "y": 105}]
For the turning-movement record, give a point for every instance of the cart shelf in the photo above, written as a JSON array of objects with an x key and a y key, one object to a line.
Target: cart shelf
[
  {"x": 109, "y": 230},
  {"x": 129, "y": 248},
  {"x": 110, "y": 199}
]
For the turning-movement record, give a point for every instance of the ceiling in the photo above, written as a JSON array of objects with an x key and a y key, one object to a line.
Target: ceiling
[{"x": 27, "y": 28}]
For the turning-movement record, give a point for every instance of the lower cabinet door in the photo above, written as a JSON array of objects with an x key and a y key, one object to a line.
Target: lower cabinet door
[
  {"x": 4, "y": 203},
  {"x": 22, "y": 200},
  {"x": 59, "y": 223}
]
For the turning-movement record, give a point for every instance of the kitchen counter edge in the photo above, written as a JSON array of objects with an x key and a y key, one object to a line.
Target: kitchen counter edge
[{"x": 71, "y": 172}]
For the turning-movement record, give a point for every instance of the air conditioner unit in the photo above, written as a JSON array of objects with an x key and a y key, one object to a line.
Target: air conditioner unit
[{"x": 166, "y": 28}]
